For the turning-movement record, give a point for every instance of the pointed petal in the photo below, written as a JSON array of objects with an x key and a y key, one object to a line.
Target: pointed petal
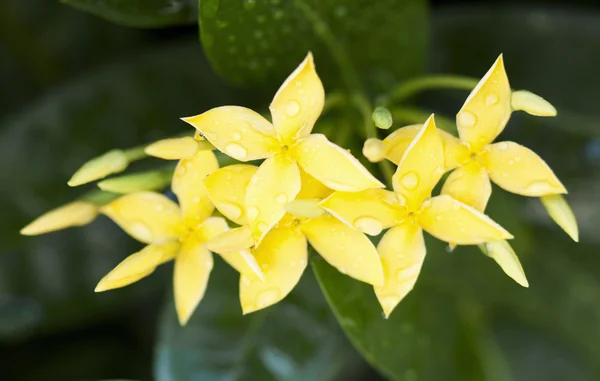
[
  {"x": 227, "y": 190},
  {"x": 138, "y": 265},
  {"x": 346, "y": 249},
  {"x": 76, "y": 213},
  {"x": 193, "y": 265},
  {"x": 210, "y": 228},
  {"x": 282, "y": 256},
  {"x": 237, "y": 131},
  {"x": 188, "y": 185},
  {"x": 275, "y": 183},
  {"x": 561, "y": 213},
  {"x": 519, "y": 170},
  {"x": 146, "y": 216},
  {"x": 298, "y": 102},
  {"x": 452, "y": 221},
  {"x": 369, "y": 211},
  {"x": 487, "y": 109},
  {"x": 173, "y": 149},
  {"x": 402, "y": 252},
  {"x": 113, "y": 161},
  {"x": 421, "y": 166},
  {"x": 396, "y": 144},
  {"x": 311, "y": 187},
  {"x": 470, "y": 185},
  {"x": 332, "y": 165},
  {"x": 531, "y": 103},
  {"x": 507, "y": 259},
  {"x": 232, "y": 241}
]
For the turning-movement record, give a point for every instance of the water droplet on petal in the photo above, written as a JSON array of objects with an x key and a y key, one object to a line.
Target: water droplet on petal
[
  {"x": 236, "y": 151},
  {"x": 467, "y": 119},
  {"x": 230, "y": 209},
  {"x": 539, "y": 187},
  {"x": 400, "y": 256},
  {"x": 237, "y": 136},
  {"x": 252, "y": 212},
  {"x": 268, "y": 297},
  {"x": 491, "y": 99},
  {"x": 281, "y": 198},
  {"x": 517, "y": 159},
  {"x": 502, "y": 146},
  {"x": 262, "y": 226},
  {"x": 159, "y": 207},
  {"x": 342, "y": 270},
  {"x": 196, "y": 200},
  {"x": 292, "y": 108},
  {"x": 368, "y": 225},
  {"x": 410, "y": 180},
  {"x": 408, "y": 273},
  {"x": 141, "y": 231}
]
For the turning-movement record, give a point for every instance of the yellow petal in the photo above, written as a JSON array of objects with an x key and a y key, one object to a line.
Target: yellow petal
[
  {"x": 146, "y": 216},
  {"x": 531, "y": 103},
  {"x": 307, "y": 208},
  {"x": 402, "y": 252},
  {"x": 173, "y": 149},
  {"x": 396, "y": 144},
  {"x": 520, "y": 170},
  {"x": 470, "y": 185},
  {"x": 311, "y": 187},
  {"x": 332, "y": 165},
  {"x": 507, "y": 259},
  {"x": 188, "y": 185},
  {"x": 421, "y": 166},
  {"x": 211, "y": 228},
  {"x": 237, "y": 131},
  {"x": 193, "y": 265},
  {"x": 452, "y": 221},
  {"x": 233, "y": 240},
  {"x": 282, "y": 256},
  {"x": 275, "y": 183},
  {"x": 114, "y": 161},
  {"x": 227, "y": 190},
  {"x": 138, "y": 265},
  {"x": 374, "y": 150},
  {"x": 561, "y": 213},
  {"x": 244, "y": 262},
  {"x": 346, "y": 249},
  {"x": 369, "y": 211},
  {"x": 76, "y": 213},
  {"x": 487, "y": 109},
  {"x": 298, "y": 102}
]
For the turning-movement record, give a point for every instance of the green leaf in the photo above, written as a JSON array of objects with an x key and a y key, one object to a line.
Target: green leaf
[
  {"x": 377, "y": 43},
  {"x": 141, "y": 13},
  {"x": 297, "y": 339},
  {"x": 47, "y": 282}
]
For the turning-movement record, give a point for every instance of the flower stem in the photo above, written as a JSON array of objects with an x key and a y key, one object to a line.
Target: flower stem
[
  {"x": 417, "y": 85},
  {"x": 135, "y": 153}
]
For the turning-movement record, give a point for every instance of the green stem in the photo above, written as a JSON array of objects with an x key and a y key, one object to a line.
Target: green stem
[
  {"x": 334, "y": 100},
  {"x": 417, "y": 85},
  {"x": 413, "y": 115},
  {"x": 135, "y": 153}
]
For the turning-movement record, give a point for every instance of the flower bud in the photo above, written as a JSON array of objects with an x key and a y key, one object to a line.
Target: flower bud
[
  {"x": 173, "y": 149},
  {"x": 374, "y": 150},
  {"x": 382, "y": 118},
  {"x": 114, "y": 161},
  {"x": 137, "y": 182},
  {"x": 507, "y": 259},
  {"x": 531, "y": 103},
  {"x": 77, "y": 213},
  {"x": 561, "y": 213}
]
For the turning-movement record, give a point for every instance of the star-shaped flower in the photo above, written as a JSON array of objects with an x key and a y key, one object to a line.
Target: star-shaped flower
[
  {"x": 172, "y": 231},
  {"x": 282, "y": 255},
  {"x": 409, "y": 210},
  {"x": 286, "y": 144}
]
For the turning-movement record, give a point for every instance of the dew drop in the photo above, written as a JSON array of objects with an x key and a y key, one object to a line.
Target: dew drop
[
  {"x": 467, "y": 119},
  {"x": 491, "y": 99},
  {"x": 400, "y": 256},
  {"x": 539, "y": 187},
  {"x": 517, "y": 159},
  {"x": 159, "y": 208},
  {"x": 237, "y": 136},
  {"x": 342, "y": 270},
  {"x": 299, "y": 83},
  {"x": 408, "y": 273},
  {"x": 368, "y": 225},
  {"x": 502, "y": 146},
  {"x": 230, "y": 209},
  {"x": 252, "y": 212},
  {"x": 268, "y": 297},
  {"x": 141, "y": 231},
  {"x": 292, "y": 108},
  {"x": 410, "y": 180},
  {"x": 281, "y": 198},
  {"x": 196, "y": 200},
  {"x": 262, "y": 226},
  {"x": 236, "y": 151}
]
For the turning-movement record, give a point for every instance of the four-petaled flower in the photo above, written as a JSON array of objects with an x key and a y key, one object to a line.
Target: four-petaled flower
[
  {"x": 282, "y": 255},
  {"x": 409, "y": 210},
  {"x": 174, "y": 232},
  {"x": 286, "y": 143}
]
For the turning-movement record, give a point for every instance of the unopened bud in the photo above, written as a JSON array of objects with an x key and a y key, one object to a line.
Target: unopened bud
[
  {"x": 561, "y": 213},
  {"x": 308, "y": 208},
  {"x": 507, "y": 259},
  {"x": 382, "y": 118},
  {"x": 531, "y": 103},
  {"x": 137, "y": 182},
  {"x": 374, "y": 150},
  {"x": 232, "y": 241},
  {"x": 114, "y": 161},
  {"x": 173, "y": 149},
  {"x": 77, "y": 213}
]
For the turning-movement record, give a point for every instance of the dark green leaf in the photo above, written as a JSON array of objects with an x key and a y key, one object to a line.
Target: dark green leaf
[
  {"x": 254, "y": 41},
  {"x": 298, "y": 339},
  {"x": 48, "y": 281},
  {"x": 141, "y": 13}
]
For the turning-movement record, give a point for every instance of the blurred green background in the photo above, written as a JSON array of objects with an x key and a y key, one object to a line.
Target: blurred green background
[{"x": 79, "y": 80}]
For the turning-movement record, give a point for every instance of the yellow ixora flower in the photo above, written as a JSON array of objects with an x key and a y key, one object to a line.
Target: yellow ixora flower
[
  {"x": 286, "y": 144},
  {"x": 409, "y": 210},
  {"x": 282, "y": 255},
  {"x": 172, "y": 231}
]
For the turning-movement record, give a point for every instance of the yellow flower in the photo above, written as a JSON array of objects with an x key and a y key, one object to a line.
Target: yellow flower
[
  {"x": 176, "y": 232},
  {"x": 282, "y": 254},
  {"x": 285, "y": 144},
  {"x": 409, "y": 210}
]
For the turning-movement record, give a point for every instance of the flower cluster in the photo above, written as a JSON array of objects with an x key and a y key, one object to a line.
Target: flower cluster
[{"x": 308, "y": 190}]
